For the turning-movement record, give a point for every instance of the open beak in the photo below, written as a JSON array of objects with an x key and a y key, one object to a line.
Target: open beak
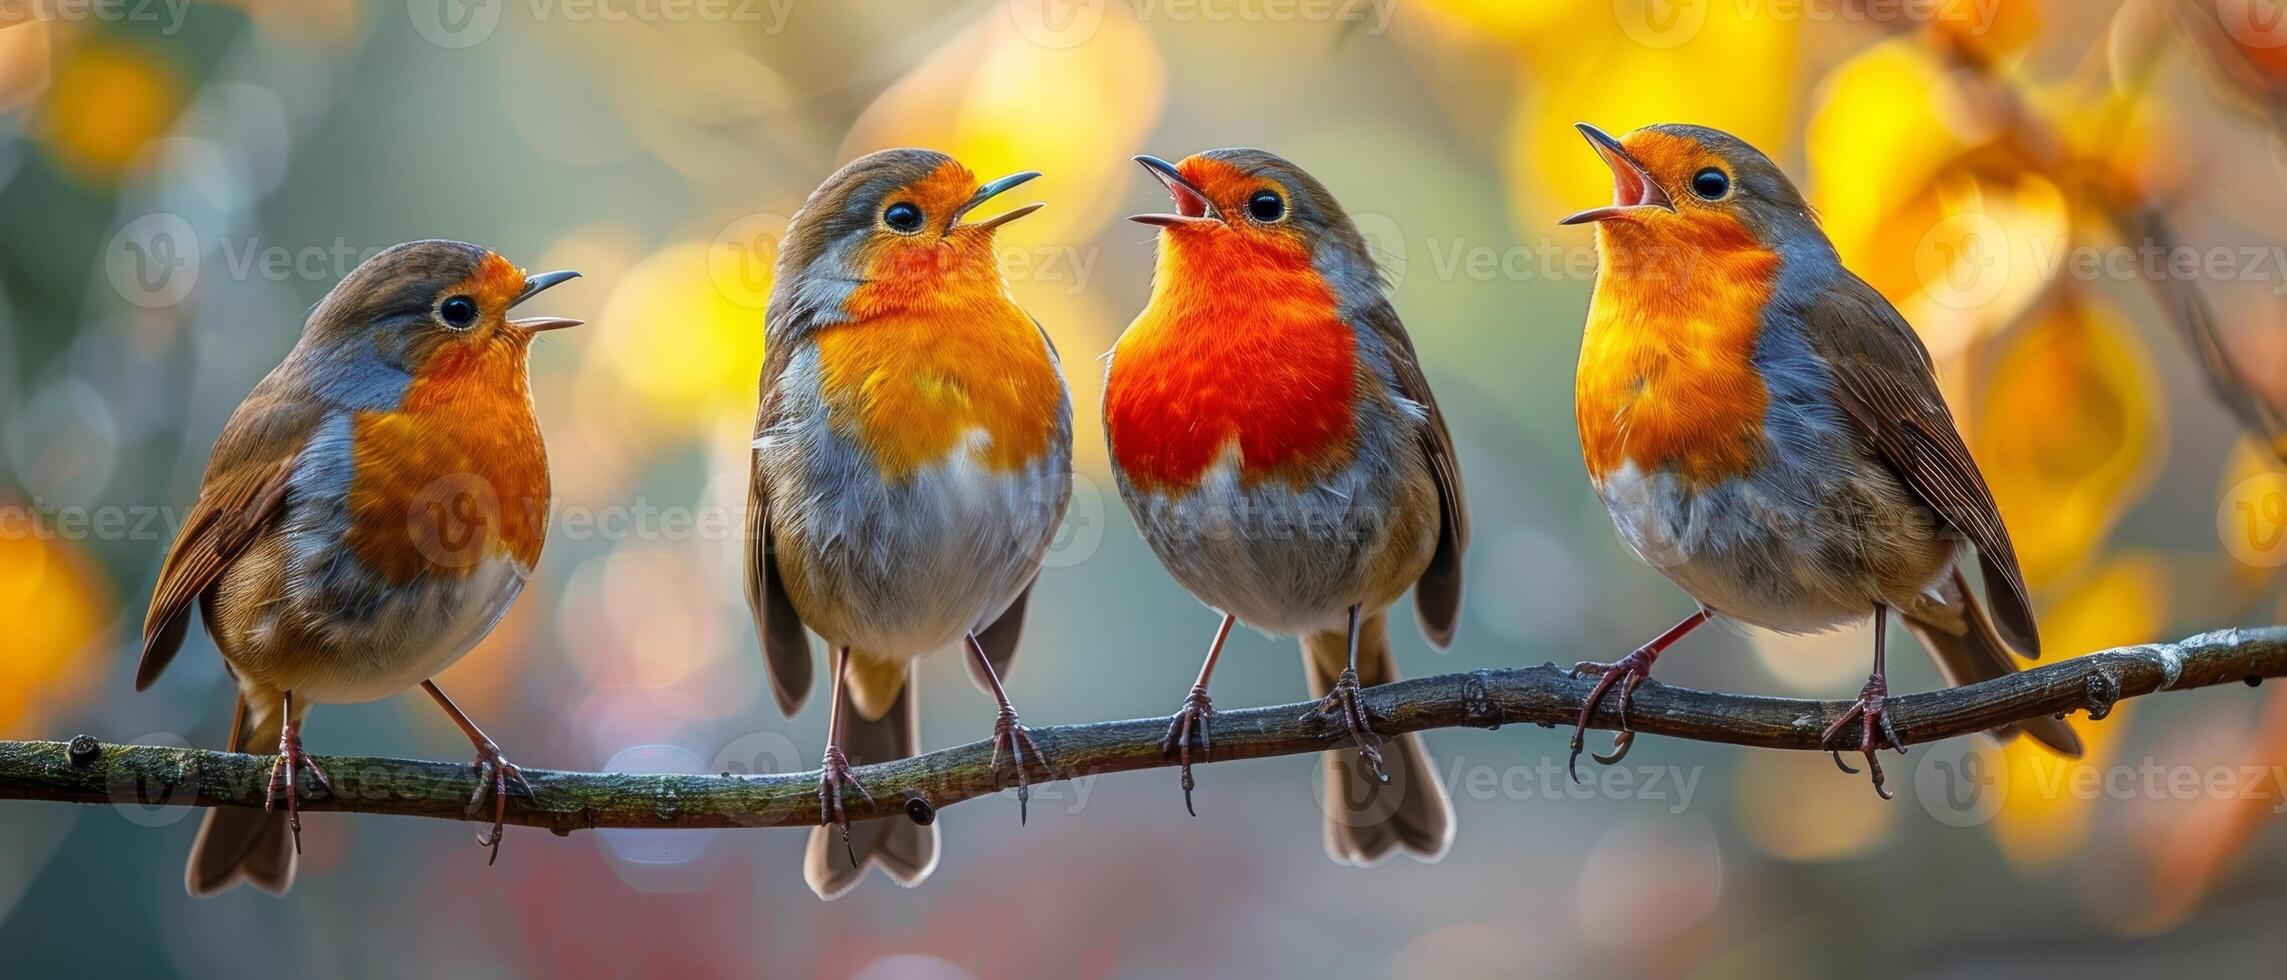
[
  {"x": 990, "y": 191},
  {"x": 532, "y": 286},
  {"x": 1191, "y": 204},
  {"x": 1632, "y": 186}
]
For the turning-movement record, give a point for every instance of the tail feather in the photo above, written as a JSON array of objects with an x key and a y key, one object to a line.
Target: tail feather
[
  {"x": 1968, "y": 648},
  {"x": 242, "y": 844},
  {"x": 1366, "y": 821},
  {"x": 906, "y": 851}
]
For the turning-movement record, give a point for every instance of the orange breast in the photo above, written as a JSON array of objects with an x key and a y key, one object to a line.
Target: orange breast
[
  {"x": 1233, "y": 349},
  {"x": 457, "y": 475},
  {"x": 1667, "y": 377},
  {"x": 916, "y": 372}
]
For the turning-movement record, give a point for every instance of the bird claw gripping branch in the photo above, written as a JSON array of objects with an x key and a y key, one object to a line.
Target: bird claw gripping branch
[
  {"x": 1875, "y": 733},
  {"x": 1343, "y": 702},
  {"x": 1196, "y": 715}
]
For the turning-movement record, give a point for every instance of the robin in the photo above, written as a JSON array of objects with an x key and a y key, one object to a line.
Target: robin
[
  {"x": 912, "y": 459},
  {"x": 1275, "y": 440},
  {"x": 369, "y": 512},
  {"x": 1766, "y": 430}
]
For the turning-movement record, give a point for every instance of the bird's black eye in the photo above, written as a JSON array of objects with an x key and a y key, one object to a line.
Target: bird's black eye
[
  {"x": 1266, "y": 206},
  {"x": 904, "y": 217},
  {"x": 1711, "y": 184},
  {"x": 457, "y": 311}
]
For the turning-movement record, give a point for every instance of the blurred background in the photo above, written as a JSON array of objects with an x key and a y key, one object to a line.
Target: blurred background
[{"x": 2080, "y": 207}]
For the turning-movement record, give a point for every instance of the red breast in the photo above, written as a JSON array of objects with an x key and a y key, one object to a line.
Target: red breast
[{"x": 1242, "y": 345}]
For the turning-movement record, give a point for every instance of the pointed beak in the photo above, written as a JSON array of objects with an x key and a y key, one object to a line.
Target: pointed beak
[
  {"x": 532, "y": 286},
  {"x": 1191, "y": 204},
  {"x": 1632, "y": 185},
  {"x": 990, "y": 191}
]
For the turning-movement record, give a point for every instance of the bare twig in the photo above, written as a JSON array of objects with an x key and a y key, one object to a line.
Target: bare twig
[{"x": 84, "y": 771}]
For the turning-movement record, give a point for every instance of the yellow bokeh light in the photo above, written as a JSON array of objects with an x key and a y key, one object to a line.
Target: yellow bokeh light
[
  {"x": 2071, "y": 429},
  {"x": 109, "y": 99},
  {"x": 1625, "y": 65},
  {"x": 1074, "y": 106},
  {"x": 685, "y": 353},
  {"x": 56, "y": 606}
]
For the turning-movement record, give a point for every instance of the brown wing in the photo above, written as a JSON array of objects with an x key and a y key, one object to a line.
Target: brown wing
[
  {"x": 1437, "y": 594},
  {"x": 785, "y": 647},
  {"x": 1885, "y": 382},
  {"x": 244, "y": 491}
]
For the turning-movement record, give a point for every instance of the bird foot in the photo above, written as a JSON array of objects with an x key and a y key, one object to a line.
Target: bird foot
[
  {"x": 284, "y": 779},
  {"x": 1343, "y": 702},
  {"x": 495, "y": 775},
  {"x": 833, "y": 774},
  {"x": 1197, "y": 714},
  {"x": 1017, "y": 740},
  {"x": 1628, "y": 672},
  {"x": 1875, "y": 731}
]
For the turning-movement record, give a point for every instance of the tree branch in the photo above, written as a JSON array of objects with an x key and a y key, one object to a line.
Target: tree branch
[{"x": 83, "y": 771}]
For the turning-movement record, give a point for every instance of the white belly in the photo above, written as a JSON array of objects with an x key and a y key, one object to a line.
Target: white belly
[
  {"x": 899, "y": 571},
  {"x": 419, "y": 632},
  {"x": 1743, "y": 553}
]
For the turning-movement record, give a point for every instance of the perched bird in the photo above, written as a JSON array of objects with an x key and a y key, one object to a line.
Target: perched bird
[
  {"x": 1274, "y": 438},
  {"x": 370, "y": 511},
  {"x": 912, "y": 459},
  {"x": 1766, "y": 430}
]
